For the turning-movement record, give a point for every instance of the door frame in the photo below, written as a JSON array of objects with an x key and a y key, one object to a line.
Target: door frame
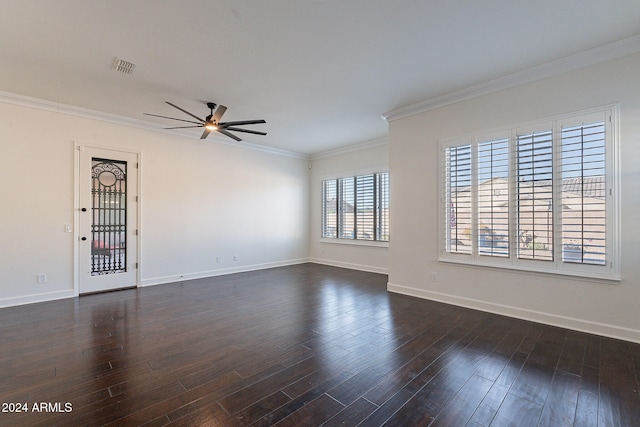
[{"x": 77, "y": 148}]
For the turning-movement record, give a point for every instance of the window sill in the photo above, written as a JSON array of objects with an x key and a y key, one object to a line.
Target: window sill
[
  {"x": 577, "y": 275},
  {"x": 353, "y": 242}
]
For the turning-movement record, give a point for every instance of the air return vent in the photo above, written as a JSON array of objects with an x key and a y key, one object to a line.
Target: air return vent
[{"x": 123, "y": 66}]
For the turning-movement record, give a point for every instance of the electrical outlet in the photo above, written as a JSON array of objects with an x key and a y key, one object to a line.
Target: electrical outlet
[
  {"x": 42, "y": 278},
  {"x": 235, "y": 257},
  {"x": 434, "y": 276},
  {"x": 218, "y": 259}
]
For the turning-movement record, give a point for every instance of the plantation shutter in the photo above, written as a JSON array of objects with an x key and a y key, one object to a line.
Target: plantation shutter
[
  {"x": 493, "y": 198},
  {"x": 458, "y": 227},
  {"x": 584, "y": 194},
  {"x": 535, "y": 195},
  {"x": 382, "y": 208},
  {"x": 540, "y": 196},
  {"x": 329, "y": 208},
  {"x": 356, "y": 207},
  {"x": 365, "y": 208},
  {"x": 347, "y": 208}
]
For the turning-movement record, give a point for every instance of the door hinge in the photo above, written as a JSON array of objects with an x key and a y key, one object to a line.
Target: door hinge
[
  {"x": 136, "y": 265},
  {"x": 136, "y": 231}
]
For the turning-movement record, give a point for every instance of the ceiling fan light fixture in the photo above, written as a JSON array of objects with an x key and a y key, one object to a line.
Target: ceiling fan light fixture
[{"x": 212, "y": 122}]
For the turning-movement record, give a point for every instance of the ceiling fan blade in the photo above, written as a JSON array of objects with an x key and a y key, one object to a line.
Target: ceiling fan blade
[
  {"x": 218, "y": 114},
  {"x": 205, "y": 133},
  {"x": 185, "y": 111},
  {"x": 242, "y": 122},
  {"x": 172, "y": 118},
  {"x": 245, "y": 130},
  {"x": 230, "y": 135},
  {"x": 184, "y": 127}
]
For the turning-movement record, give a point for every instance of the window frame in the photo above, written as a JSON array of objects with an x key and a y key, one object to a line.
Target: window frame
[
  {"x": 609, "y": 271},
  {"x": 378, "y": 197}
]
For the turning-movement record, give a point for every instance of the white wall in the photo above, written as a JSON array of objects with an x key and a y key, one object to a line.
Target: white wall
[
  {"x": 199, "y": 200},
  {"x": 358, "y": 159},
  {"x": 603, "y": 308}
]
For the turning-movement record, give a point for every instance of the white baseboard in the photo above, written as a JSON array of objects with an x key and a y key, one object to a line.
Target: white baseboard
[
  {"x": 31, "y": 299},
  {"x": 581, "y": 325},
  {"x": 361, "y": 267},
  {"x": 223, "y": 271}
]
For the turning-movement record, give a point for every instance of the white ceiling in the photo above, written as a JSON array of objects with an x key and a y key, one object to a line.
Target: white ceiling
[{"x": 320, "y": 72}]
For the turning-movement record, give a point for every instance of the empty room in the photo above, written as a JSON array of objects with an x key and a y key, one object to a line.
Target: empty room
[{"x": 355, "y": 213}]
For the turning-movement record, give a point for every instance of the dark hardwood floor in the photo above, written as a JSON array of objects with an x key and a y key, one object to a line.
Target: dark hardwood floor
[{"x": 304, "y": 345}]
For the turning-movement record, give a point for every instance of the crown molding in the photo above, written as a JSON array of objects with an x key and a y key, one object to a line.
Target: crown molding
[
  {"x": 350, "y": 148},
  {"x": 573, "y": 62},
  {"x": 54, "y": 107}
]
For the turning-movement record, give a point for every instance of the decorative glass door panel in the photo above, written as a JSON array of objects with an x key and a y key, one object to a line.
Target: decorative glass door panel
[{"x": 109, "y": 216}]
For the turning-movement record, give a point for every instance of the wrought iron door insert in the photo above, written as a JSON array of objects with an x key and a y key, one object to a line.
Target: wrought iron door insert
[{"x": 109, "y": 216}]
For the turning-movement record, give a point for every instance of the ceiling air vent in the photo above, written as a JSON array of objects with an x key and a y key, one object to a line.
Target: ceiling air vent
[{"x": 123, "y": 66}]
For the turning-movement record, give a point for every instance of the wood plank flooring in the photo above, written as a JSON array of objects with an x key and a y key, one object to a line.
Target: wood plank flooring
[{"x": 304, "y": 345}]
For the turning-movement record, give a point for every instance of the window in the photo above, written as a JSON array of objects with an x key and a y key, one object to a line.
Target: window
[
  {"x": 356, "y": 207},
  {"x": 459, "y": 199},
  {"x": 534, "y": 190},
  {"x": 584, "y": 195},
  {"x": 493, "y": 198},
  {"x": 536, "y": 196}
]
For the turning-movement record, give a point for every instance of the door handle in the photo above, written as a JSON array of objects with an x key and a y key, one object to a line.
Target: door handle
[{"x": 83, "y": 238}]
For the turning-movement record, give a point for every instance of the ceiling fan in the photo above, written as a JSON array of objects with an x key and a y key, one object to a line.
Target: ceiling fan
[{"x": 212, "y": 122}]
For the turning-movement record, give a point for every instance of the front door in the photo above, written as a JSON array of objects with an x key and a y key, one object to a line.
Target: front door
[{"x": 107, "y": 224}]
